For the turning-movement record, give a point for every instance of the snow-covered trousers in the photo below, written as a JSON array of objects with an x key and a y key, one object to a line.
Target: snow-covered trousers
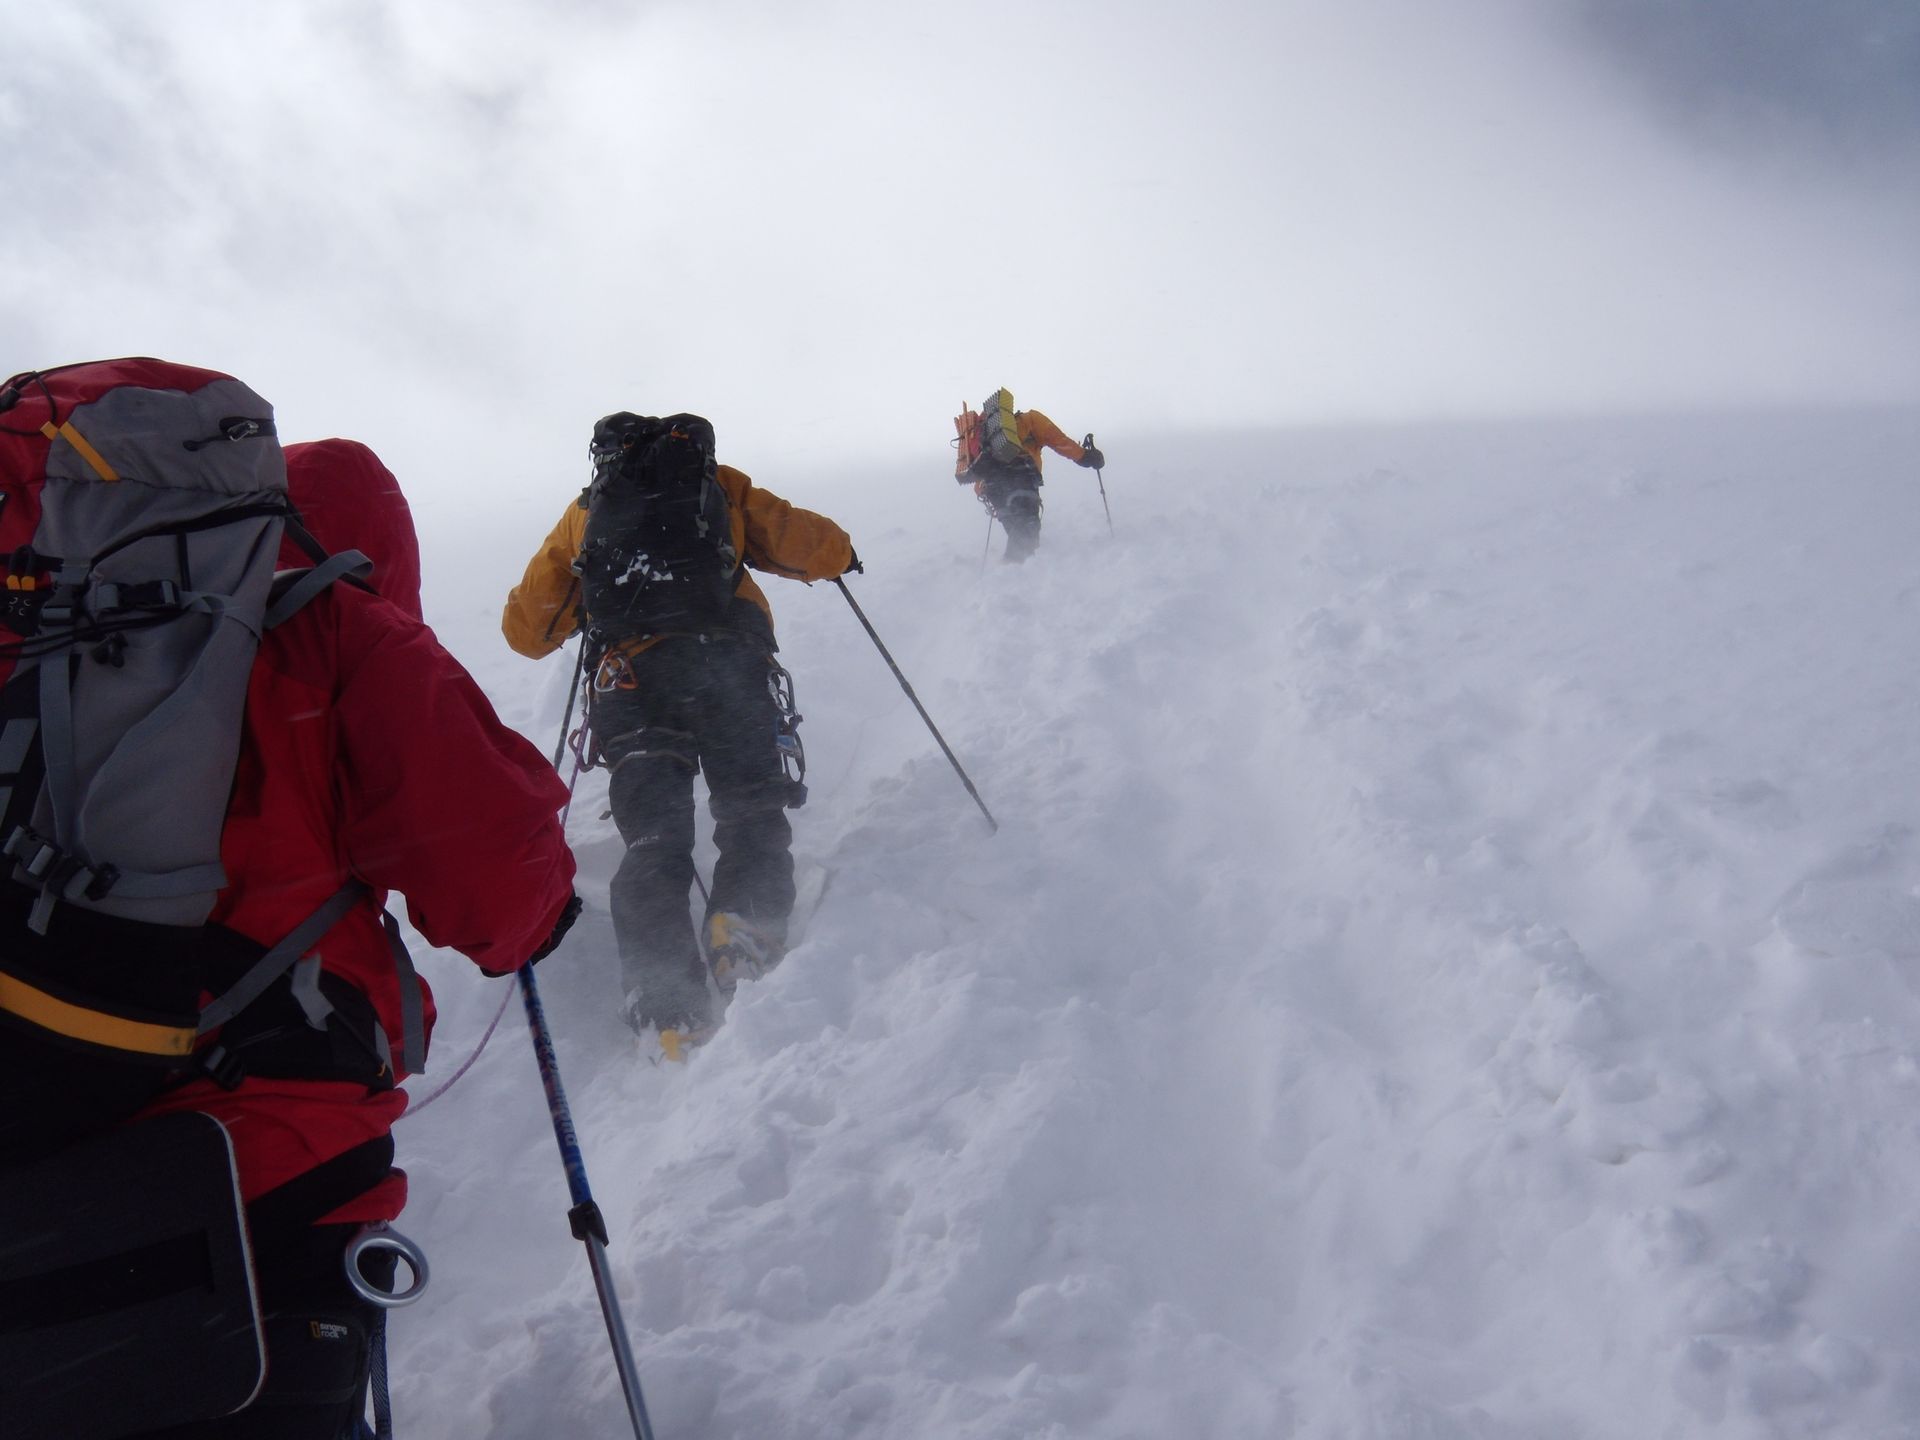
[
  {"x": 1015, "y": 502},
  {"x": 689, "y": 704}
]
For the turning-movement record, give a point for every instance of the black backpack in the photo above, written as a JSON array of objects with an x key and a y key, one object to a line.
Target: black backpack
[{"x": 658, "y": 554}]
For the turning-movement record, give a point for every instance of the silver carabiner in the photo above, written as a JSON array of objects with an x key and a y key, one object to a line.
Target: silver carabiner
[{"x": 382, "y": 1236}]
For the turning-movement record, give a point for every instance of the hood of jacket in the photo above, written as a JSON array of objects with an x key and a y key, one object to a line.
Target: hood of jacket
[{"x": 349, "y": 500}]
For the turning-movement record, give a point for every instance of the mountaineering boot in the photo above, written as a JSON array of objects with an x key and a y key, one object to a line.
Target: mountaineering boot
[
  {"x": 676, "y": 1012},
  {"x": 741, "y": 949},
  {"x": 674, "y": 1045}
]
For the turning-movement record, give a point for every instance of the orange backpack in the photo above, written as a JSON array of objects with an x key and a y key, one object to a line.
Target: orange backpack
[{"x": 966, "y": 443}]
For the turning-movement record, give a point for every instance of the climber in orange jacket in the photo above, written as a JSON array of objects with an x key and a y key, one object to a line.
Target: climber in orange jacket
[
  {"x": 1000, "y": 453},
  {"x": 651, "y": 561}
]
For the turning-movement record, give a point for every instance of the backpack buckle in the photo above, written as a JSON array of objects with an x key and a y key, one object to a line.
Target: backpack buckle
[
  {"x": 34, "y": 854},
  {"x": 53, "y": 869},
  {"x": 223, "y": 1067},
  {"x": 109, "y": 597}
]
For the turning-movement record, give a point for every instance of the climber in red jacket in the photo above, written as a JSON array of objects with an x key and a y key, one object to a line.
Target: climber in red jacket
[{"x": 367, "y": 754}]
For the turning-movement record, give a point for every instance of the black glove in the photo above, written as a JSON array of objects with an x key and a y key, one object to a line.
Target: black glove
[
  {"x": 1093, "y": 459},
  {"x": 854, "y": 567},
  {"x": 568, "y": 914}
]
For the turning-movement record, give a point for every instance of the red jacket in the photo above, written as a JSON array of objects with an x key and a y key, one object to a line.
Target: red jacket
[{"x": 370, "y": 752}]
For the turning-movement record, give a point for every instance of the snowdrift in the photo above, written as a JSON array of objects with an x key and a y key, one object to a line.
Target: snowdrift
[{"x": 1449, "y": 967}]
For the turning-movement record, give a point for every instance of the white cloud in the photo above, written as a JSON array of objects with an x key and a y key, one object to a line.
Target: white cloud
[{"x": 462, "y": 231}]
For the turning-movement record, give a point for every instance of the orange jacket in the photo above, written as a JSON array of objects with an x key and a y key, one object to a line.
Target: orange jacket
[
  {"x": 768, "y": 533},
  {"x": 1036, "y": 430}
]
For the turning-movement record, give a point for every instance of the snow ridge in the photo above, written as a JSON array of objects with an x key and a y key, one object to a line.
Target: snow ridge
[{"x": 1447, "y": 969}]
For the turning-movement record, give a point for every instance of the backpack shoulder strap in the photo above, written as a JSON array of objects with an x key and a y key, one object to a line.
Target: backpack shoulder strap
[
  {"x": 292, "y": 589},
  {"x": 296, "y": 531},
  {"x": 281, "y": 957},
  {"x": 413, "y": 1029},
  {"x": 294, "y": 947}
]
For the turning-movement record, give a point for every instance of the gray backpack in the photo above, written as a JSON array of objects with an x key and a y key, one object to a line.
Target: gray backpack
[
  {"x": 160, "y": 506},
  {"x": 141, "y": 510}
]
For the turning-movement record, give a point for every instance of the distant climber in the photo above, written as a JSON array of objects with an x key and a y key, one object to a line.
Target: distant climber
[{"x": 999, "y": 452}]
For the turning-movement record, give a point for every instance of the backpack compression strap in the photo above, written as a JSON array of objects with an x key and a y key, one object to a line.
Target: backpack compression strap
[
  {"x": 51, "y": 863},
  {"x": 16, "y": 742}
]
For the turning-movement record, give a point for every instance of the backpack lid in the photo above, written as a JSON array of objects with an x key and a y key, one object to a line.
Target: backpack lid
[
  {"x": 619, "y": 431},
  {"x": 625, "y": 435}
]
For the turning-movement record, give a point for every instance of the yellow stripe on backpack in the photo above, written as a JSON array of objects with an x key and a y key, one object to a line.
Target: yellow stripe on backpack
[{"x": 94, "y": 1027}]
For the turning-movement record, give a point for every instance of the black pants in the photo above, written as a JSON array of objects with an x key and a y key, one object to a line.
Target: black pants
[
  {"x": 319, "y": 1336},
  {"x": 1015, "y": 503},
  {"x": 692, "y": 704}
]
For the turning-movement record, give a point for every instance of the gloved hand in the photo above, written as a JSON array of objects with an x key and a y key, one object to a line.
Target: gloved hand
[
  {"x": 569, "y": 913},
  {"x": 854, "y": 567},
  {"x": 1093, "y": 459}
]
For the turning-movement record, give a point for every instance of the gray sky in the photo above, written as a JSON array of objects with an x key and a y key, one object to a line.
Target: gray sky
[
  {"x": 1830, "y": 84},
  {"x": 461, "y": 229}
]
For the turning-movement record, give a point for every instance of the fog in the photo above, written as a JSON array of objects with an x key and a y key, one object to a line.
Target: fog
[{"x": 462, "y": 231}]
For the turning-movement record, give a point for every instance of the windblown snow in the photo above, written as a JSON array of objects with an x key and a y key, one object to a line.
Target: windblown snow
[{"x": 1449, "y": 966}]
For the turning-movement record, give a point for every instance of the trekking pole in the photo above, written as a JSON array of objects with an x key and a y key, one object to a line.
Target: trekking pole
[
  {"x": 951, "y": 760},
  {"x": 1100, "y": 480},
  {"x": 987, "y": 544},
  {"x": 588, "y": 1226},
  {"x": 573, "y": 693}
]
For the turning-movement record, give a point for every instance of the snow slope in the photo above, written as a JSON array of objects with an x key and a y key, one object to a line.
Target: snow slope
[{"x": 1449, "y": 967}]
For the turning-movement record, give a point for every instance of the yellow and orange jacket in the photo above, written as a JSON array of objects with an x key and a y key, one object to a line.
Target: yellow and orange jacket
[
  {"x": 1035, "y": 431},
  {"x": 543, "y": 610}
]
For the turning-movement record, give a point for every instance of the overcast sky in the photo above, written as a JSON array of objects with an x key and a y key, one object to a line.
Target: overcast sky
[{"x": 461, "y": 230}]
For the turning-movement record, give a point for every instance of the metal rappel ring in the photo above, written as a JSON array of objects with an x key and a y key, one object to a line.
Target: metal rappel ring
[{"x": 382, "y": 1236}]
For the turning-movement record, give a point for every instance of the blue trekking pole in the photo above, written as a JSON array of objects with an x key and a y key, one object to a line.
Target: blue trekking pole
[{"x": 585, "y": 1219}]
